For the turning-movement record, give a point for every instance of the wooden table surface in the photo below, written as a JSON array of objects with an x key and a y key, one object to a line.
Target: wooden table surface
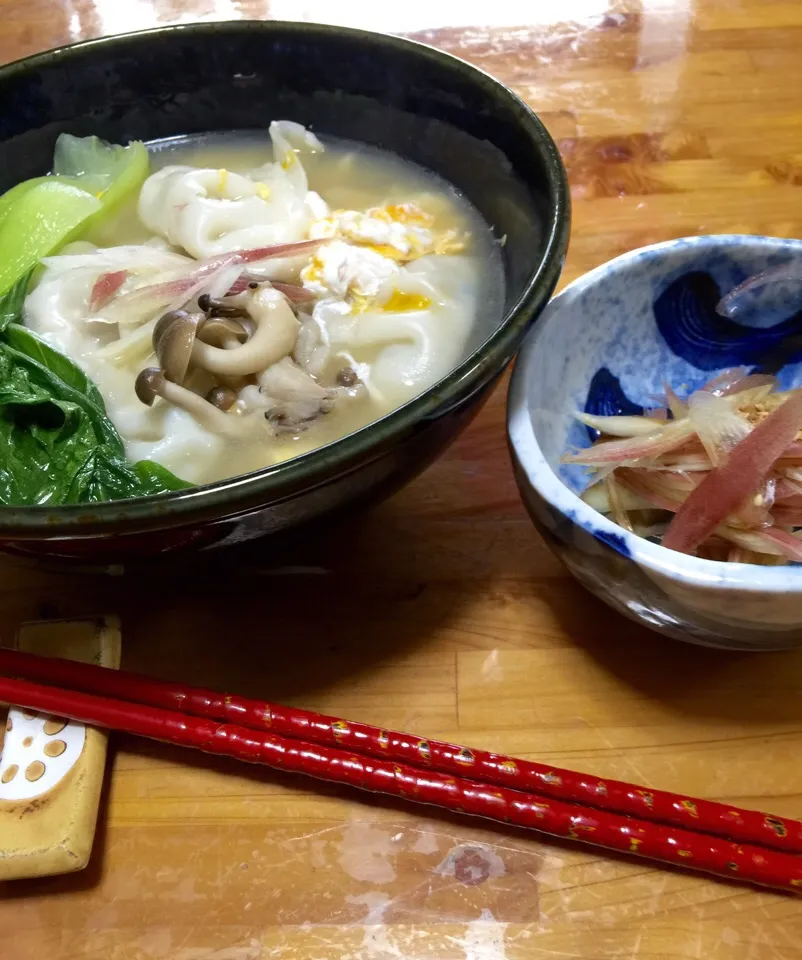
[{"x": 674, "y": 117}]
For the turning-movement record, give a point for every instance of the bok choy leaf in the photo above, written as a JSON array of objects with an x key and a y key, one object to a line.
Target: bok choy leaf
[{"x": 57, "y": 444}]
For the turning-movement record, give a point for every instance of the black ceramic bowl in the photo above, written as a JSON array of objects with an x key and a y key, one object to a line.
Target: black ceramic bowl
[{"x": 420, "y": 103}]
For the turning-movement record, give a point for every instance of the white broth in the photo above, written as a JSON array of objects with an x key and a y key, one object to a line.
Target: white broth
[{"x": 406, "y": 280}]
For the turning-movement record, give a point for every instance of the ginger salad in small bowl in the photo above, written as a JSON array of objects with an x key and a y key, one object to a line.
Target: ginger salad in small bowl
[{"x": 655, "y": 421}]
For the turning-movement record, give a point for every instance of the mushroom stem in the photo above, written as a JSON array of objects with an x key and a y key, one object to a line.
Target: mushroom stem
[
  {"x": 152, "y": 383},
  {"x": 275, "y": 335},
  {"x": 222, "y": 332},
  {"x": 207, "y": 415}
]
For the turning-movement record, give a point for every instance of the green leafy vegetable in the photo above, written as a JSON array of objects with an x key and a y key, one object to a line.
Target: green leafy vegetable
[
  {"x": 10, "y": 197},
  {"x": 37, "y": 216},
  {"x": 37, "y": 222},
  {"x": 58, "y": 445},
  {"x": 106, "y": 170},
  {"x": 55, "y": 365},
  {"x": 11, "y": 302}
]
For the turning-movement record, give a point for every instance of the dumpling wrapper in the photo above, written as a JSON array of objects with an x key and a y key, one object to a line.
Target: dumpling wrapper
[{"x": 210, "y": 212}]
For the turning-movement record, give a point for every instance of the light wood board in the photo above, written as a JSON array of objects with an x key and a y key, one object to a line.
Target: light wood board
[{"x": 675, "y": 117}]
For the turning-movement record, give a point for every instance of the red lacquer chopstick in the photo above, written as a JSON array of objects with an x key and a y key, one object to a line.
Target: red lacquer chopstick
[
  {"x": 705, "y": 816},
  {"x": 610, "y": 831}
]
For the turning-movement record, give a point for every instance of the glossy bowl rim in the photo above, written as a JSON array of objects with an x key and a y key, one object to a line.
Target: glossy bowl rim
[
  {"x": 685, "y": 569},
  {"x": 237, "y": 495}
]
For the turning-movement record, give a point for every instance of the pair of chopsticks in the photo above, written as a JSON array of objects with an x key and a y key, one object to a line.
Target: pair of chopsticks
[{"x": 695, "y": 834}]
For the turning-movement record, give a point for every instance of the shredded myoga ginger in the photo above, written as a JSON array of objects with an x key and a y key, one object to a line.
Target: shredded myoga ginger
[{"x": 718, "y": 474}]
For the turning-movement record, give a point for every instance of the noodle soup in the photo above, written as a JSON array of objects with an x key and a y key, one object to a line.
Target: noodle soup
[{"x": 257, "y": 298}]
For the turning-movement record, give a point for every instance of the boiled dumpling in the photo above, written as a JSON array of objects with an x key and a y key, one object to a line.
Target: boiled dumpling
[
  {"x": 415, "y": 333},
  {"x": 210, "y": 212},
  {"x": 58, "y": 307},
  {"x": 290, "y": 140}
]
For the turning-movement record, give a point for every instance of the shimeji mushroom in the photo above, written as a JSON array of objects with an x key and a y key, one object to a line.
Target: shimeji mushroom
[
  {"x": 274, "y": 336},
  {"x": 152, "y": 383},
  {"x": 220, "y": 308},
  {"x": 292, "y": 396},
  {"x": 234, "y": 344},
  {"x": 223, "y": 332},
  {"x": 173, "y": 337},
  {"x": 347, "y": 377},
  {"x": 222, "y": 397}
]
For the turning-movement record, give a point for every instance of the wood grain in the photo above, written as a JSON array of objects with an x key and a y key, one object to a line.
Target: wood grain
[{"x": 674, "y": 117}]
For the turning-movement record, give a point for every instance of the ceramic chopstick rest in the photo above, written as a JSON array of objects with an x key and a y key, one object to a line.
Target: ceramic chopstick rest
[{"x": 51, "y": 769}]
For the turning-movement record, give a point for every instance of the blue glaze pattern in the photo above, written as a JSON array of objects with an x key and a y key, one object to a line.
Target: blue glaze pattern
[
  {"x": 607, "y": 399},
  {"x": 686, "y": 317},
  {"x": 614, "y": 540}
]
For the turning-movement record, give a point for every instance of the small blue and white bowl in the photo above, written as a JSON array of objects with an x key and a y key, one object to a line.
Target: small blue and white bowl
[{"x": 607, "y": 344}]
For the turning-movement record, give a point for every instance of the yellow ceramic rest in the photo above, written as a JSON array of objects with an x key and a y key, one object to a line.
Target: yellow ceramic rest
[{"x": 51, "y": 769}]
